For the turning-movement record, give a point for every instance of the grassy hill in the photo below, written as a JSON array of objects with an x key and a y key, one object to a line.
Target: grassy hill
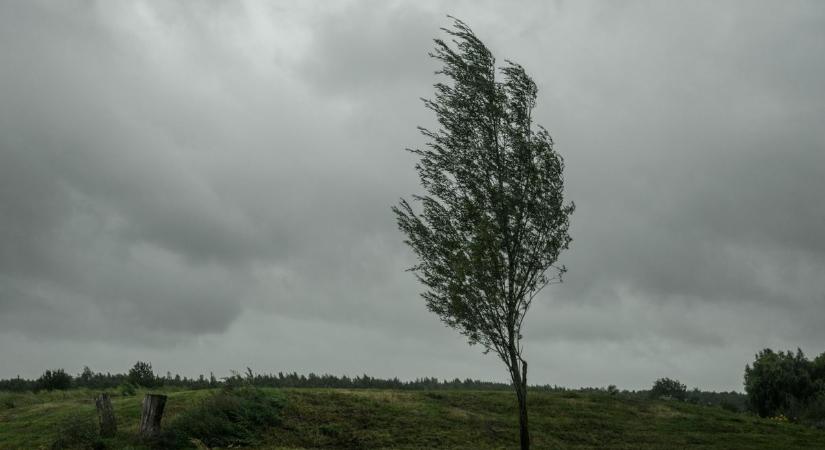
[{"x": 338, "y": 418}]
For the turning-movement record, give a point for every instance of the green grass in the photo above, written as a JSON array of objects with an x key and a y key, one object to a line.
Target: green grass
[{"x": 338, "y": 418}]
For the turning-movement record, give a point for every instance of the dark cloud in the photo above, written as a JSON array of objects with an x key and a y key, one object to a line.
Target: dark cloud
[{"x": 206, "y": 186}]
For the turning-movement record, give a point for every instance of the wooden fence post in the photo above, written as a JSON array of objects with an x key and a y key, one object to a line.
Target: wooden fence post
[
  {"x": 106, "y": 415},
  {"x": 151, "y": 415}
]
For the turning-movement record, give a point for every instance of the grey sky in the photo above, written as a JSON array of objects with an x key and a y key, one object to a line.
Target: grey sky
[{"x": 208, "y": 186}]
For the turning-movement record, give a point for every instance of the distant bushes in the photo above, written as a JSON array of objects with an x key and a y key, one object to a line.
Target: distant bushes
[
  {"x": 141, "y": 375},
  {"x": 788, "y": 384},
  {"x": 54, "y": 379},
  {"x": 666, "y": 387}
]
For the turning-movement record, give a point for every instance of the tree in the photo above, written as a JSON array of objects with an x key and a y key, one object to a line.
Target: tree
[
  {"x": 141, "y": 374},
  {"x": 85, "y": 377},
  {"x": 54, "y": 379},
  {"x": 666, "y": 387},
  {"x": 493, "y": 220},
  {"x": 779, "y": 382}
]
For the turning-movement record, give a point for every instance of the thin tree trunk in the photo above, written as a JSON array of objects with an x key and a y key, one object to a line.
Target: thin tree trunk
[
  {"x": 151, "y": 415},
  {"x": 520, "y": 385},
  {"x": 524, "y": 430},
  {"x": 106, "y": 415}
]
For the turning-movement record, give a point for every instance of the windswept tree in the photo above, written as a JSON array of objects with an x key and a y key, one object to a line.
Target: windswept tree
[{"x": 492, "y": 222}]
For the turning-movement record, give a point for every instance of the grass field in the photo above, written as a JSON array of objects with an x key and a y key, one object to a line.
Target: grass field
[{"x": 337, "y": 418}]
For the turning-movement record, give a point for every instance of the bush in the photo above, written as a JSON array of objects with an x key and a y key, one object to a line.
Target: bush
[
  {"x": 77, "y": 432},
  {"x": 666, "y": 387},
  {"x": 127, "y": 389},
  {"x": 728, "y": 406},
  {"x": 229, "y": 418},
  {"x": 57, "y": 379},
  {"x": 813, "y": 413}
]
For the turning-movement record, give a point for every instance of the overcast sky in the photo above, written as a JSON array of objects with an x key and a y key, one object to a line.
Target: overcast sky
[{"x": 207, "y": 186}]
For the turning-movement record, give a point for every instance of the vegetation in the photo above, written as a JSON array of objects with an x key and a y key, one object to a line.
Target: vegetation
[
  {"x": 120, "y": 382},
  {"x": 493, "y": 219},
  {"x": 54, "y": 379},
  {"x": 298, "y": 411},
  {"x": 666, "y": 387},
  {"x": 787, "y": 384},
  {"x": 231, "y": 417},
  {"x": 383, "y": 418},
  {"x": 141, "y": 375}
]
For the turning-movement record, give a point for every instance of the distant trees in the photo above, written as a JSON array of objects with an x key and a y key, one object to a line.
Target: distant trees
[
  {"x": 120, "y": 381},
  {"x": 493, "y": 220},
  {"x": 141, "y": 374},
  {"x": 666, "y": 387},
  {"x": 786, "y": 383},
  {"x": 54, "y": 379},
  {"x": 86, "y": 376}
]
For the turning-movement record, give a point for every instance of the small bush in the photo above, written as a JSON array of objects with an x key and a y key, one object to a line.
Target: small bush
[
  {"x": 728, "y": 406},
  {"x": 127, "y": 389},
  {"x": 231, "y": 417},
  {"x": 77, "y": 432},
  {"x": 666, "y": 387},
  {"x": 435, "y": 395}
]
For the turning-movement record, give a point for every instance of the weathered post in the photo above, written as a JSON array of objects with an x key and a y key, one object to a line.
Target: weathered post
[
  {"x": 151, "y": 415},
  {"x": 106, "y": 415}
]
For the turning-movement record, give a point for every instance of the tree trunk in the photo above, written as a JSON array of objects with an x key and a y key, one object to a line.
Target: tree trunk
[
  {"x": 524, "y": 431},
  {"x": 151, "y": 415},
  {"x": 520, "y": 385},
  {"x": 106, "y": 415}
]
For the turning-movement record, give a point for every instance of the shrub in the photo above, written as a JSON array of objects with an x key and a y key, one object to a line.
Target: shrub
[
  {"x": 54, "y": 379},
  {"x": 813, "y": 413},
  {"x": 77, "y": 432},
  {"x": 229, "y": 418},
  {"x": 127, "y": 389},
  {"x": 666, "y": 387},
  {"x": 728, "y": 406}
]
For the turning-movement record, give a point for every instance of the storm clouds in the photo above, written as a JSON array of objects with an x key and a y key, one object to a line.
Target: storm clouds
[{"x": 207, "y": 186}]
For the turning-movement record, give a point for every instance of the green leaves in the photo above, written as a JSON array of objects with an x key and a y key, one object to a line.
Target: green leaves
[{"x": 492, "y": 221}]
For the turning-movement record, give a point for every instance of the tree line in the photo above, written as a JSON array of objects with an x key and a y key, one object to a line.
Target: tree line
[{"x": 142, "y": 375}]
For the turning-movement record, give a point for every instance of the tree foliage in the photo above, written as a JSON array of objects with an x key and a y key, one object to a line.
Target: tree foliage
[
  {"x": 493, "y": 220},
  {"x": 782, "y": 382},
  {"x": 667, "y": 387},
  {"x": 141, "y": 374},
  {"x": 54, "y": 379}
]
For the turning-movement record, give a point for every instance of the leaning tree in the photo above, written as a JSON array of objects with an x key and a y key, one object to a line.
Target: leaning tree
[{"x": 490, "y": 226}]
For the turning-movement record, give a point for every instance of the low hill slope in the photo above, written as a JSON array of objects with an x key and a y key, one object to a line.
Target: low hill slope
[{"x": 337, "y": 418}]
